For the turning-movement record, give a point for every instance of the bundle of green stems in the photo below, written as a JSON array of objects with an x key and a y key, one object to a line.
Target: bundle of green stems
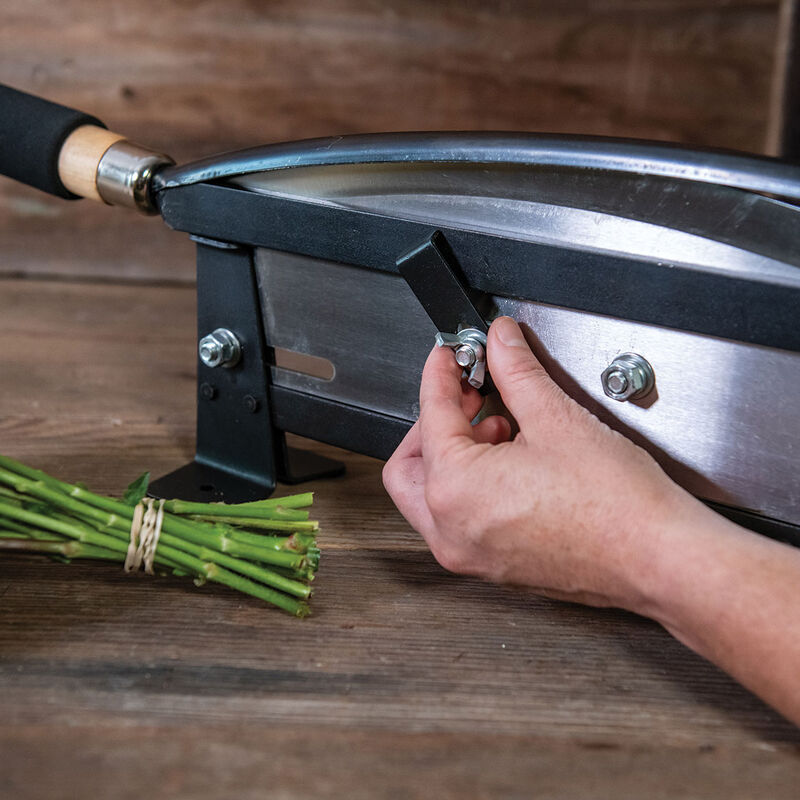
[{"x": 265, "y": 548}]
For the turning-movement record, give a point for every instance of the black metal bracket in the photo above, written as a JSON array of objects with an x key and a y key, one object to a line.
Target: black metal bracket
[{"x": 240, "y": 454}]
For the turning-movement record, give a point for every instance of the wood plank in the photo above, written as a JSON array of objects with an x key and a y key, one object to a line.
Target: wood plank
[
  {"x": 198, "y": 78},
  {"x": 97, "y": 353},
  {"x": 249, "y": 763},
  {"x": 394, "y": 643},
  {"x": 406, "y": 679}
]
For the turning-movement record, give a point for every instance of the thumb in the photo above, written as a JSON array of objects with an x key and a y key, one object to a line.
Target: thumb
[{"x": 518, "y": 375}]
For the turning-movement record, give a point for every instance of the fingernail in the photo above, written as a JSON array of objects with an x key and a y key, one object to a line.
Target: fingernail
[{"x": 509, "y": 332}]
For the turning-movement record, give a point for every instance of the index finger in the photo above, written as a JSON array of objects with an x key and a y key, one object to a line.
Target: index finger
[{"x": 443, "y": 423}]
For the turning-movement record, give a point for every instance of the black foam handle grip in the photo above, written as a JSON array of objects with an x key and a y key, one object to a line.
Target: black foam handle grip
[{"x": 32, "y": 132}]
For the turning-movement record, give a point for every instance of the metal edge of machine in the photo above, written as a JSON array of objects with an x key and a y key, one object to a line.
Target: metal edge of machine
[{"x": 727, "y": 168}]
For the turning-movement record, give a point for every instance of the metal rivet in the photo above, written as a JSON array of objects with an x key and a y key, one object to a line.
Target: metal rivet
[
  {"x": 251, "y": 403},
  {"x": 207, "y": 391}
]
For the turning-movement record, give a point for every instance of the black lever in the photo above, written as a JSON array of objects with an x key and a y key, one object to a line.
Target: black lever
[{"x": 431, "y": 271}]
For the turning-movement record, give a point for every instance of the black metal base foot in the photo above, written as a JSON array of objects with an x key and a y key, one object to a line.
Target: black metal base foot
[
  {"x": 303, "y": 465},
  {"x": 202, "y": 483}
]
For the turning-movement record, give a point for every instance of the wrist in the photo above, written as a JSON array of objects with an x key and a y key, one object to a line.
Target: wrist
[
  {"x": 692, "y": 555},
  {"x": 675, "y": 545}
]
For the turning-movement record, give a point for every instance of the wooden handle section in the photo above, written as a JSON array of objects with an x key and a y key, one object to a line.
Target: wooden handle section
[{"x": 80, "y": 156}]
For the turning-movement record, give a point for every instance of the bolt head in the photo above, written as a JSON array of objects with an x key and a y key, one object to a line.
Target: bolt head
[
  {"x": 210, "y": 352},
  {"x": 465, "y": 356},
  {"x": 616, "y": 381},
  {"x": 628, "y": 376},
  {"x": 469, "y": 350},
  {"x": 219, "y": 349}
]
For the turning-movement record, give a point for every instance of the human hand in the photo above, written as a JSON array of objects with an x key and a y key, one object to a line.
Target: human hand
[
  {"x": 577, "y": 511},
  {"x": 569, "y": 506}
]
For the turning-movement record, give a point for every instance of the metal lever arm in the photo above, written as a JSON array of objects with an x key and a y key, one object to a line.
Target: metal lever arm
[{"x": 431, "y": 272}]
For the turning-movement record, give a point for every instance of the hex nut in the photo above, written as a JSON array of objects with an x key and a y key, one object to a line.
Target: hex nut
[
  {"x": 220, "y": 348},
  {"x": 628, "y": 377}
]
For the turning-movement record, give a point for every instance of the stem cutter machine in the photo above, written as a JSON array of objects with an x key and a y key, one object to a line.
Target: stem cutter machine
[{"x": 660, "y": 285}]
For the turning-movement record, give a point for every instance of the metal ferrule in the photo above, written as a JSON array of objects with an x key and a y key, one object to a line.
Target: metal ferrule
[{"x": 124, "y": 175}]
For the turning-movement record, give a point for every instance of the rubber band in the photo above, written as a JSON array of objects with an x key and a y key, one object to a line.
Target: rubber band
[
  {"x": 133, "y": 544},
  {"x": 152, "y": 543},
  {"x": 145, "y": 533}
]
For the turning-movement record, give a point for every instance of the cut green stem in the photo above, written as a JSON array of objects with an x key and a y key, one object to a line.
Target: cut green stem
[
  {"x": 265, "y": 524},
  {"x": 254, "y": 509}
]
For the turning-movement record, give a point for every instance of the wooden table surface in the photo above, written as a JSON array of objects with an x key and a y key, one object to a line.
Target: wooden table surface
[{"x": 406, "y": 681}]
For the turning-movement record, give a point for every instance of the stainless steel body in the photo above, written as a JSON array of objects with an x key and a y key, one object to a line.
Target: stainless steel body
[{"x": 723, "y": 418}]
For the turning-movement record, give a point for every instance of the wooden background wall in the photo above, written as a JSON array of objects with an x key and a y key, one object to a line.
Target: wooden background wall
[{"x": 194, "y": 77}]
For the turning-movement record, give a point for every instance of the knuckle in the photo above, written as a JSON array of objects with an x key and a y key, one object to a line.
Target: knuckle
[
  {"x": 450, "y": 559},
  {"x": 389, "y": 476},
  {"x": 554, "y": 403},
  {"x": 577, "y": 419},
  {"x": 554, "y": 407}
]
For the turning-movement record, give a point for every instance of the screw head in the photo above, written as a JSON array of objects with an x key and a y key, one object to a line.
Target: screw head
[
  {"x": 251, "y": 403},
  {"x": 207, "y": 391},
  {"x": 627, "y": 377},
  {"x": 220, "y": 348}
]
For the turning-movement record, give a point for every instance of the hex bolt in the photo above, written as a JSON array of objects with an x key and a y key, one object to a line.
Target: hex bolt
[
  {"x": 220, "y": 348},
  {"x": 628, "y": 377},
  {"x": 465, "y": 356},
  {"x": 469, "y": 348},
  {"x": 617, "y": 382}
]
